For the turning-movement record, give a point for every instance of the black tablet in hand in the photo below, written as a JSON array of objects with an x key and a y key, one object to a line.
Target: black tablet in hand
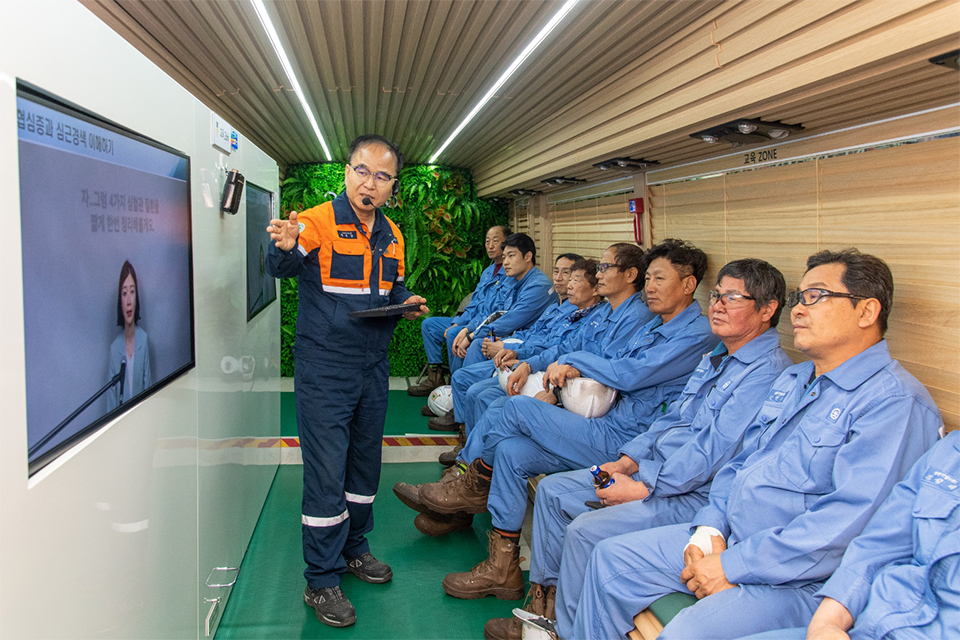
[{"x": 383, "y": 312}]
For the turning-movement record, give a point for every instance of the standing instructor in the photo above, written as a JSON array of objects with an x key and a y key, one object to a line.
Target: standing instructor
[{"x": 348, "y": 256}]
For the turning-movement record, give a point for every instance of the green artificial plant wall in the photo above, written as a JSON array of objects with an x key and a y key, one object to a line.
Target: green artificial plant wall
[{"x": 443, "y": 224}]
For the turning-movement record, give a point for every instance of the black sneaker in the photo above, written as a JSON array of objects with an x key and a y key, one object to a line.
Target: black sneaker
[
  {"x": 331, "y": 605},
  {"x": 369, "y": 569}
]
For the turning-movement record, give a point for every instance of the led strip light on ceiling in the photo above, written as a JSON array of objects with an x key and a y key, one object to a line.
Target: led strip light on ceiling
[
  {"x": 529, "y": 49},
  {"x": 288, "y": 69}
]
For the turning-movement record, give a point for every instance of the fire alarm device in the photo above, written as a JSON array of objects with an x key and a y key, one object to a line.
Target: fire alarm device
[{"x": 636, "y": 208}]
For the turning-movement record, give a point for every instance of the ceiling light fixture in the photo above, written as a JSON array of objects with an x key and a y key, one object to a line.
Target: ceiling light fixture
[
  {"x": 747, "y": 131},
  {"x": 949, "y": 60},
  {"x": 288, "y": 69},
  {"x": 624, "y": 164},
  {"x": 525, "y": 192},
  {"x": 554, "y": 21},
  {"x": 562, "y": 180}
]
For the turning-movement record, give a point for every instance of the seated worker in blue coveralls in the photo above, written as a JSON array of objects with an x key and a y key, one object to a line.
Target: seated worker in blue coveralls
[
  {"x": 609, "y": 329},
  {"x": 585, "y": 303},
  {"x": 607, "y": 332},
  {"x": 900, "y": 578},
  {"x": 534, "y": 436},
  {"x": 830, "y": 441},
  {"x": 663, "y": 476},
  {"x": 490, "y": 346},
  {"x": 347, "y": 256},
  {"x": 438, "y": 332},
  {"x": 523, "y": 303}
]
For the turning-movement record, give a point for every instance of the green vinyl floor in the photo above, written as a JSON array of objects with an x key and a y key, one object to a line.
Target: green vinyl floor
[
  {"x": 403, "y": 415},
  {"x": 267, "y": 600}
]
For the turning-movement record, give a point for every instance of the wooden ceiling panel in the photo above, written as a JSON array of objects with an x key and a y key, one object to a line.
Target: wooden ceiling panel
[{"x": 616, "y": 78}]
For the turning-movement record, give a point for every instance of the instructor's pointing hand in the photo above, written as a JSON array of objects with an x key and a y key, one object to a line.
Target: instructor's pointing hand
[{"x": 285, "y": 232}]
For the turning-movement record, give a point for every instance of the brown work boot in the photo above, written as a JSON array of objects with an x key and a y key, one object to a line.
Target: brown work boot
[
  {"x": 446, "y": 422},
  {"x": 448, "y": 458},
  {"x": 409, "y": 494},
  {"x": 499, "y": 575},
  {"x": 467, "y": 493},
  {"x": 540, "y": 602},
  {"x": 428, "y": 381},
  {"x": 427, "y": 412},
  {"x": 431, "y": 524}
]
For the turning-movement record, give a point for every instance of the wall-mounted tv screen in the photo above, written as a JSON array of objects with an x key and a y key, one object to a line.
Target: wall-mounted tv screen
[
  {"x": 107, "y": 269},
  {"x": 261, "y": 288}
]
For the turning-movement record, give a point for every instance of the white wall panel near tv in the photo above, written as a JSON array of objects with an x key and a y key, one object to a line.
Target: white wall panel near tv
[{"x": 121, "y": 521}]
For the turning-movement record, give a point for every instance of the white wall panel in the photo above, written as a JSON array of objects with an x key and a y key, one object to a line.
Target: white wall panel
[{"x": 108, "y": 541}]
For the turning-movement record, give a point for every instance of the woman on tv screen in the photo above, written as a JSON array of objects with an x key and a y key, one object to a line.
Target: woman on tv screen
[{"x": 128, "y": 353}]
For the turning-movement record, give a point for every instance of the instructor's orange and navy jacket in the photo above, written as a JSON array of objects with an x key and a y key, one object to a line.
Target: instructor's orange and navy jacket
[{"x": 342, "y": 268}]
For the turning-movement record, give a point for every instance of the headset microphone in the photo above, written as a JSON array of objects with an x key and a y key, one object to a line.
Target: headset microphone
[{"x": 367, "y": 201}]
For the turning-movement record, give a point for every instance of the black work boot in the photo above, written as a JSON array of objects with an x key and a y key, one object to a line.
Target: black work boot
[
  {"x": 449, "y": 458},
  {"x": 331, "y": 606},
  {"x": 430, "y": 380},
  {"x": 369, "y": 569}
]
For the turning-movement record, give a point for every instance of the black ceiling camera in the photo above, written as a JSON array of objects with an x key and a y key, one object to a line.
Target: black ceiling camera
[{"x": 232, "y": 192}]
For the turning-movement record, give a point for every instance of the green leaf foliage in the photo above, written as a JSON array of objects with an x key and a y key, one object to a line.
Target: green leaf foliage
[{"x": 443, "y": 223}]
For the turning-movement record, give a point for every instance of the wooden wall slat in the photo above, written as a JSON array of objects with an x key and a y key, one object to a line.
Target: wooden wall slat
[
  {"x": 900, "y": 203},
  {"x": 588, "y": 227}
]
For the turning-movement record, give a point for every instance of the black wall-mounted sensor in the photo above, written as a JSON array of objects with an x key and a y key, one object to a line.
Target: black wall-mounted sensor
[{"x": 232, "y": 192}]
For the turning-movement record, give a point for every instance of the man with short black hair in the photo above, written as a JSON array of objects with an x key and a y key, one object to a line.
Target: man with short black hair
[
  {"x": 544, "y": 332},
  {"x": 831, "y": 439},
  {"x": 341, "y": 365},
  {"x": 525, "y": 302},
  {"x": 438, "y": 332}
]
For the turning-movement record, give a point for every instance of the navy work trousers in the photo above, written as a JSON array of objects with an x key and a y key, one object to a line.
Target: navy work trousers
[{"x": 340, "y": 415}]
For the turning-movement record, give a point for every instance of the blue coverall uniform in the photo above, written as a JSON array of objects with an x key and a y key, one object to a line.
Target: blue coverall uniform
[
  {"x": 900, "y": 578},
  {"x": 678, "y": 457},
  {"x": 606, "y": 330},
  {"x": 465, "y": 377},
  {"x": 341, "y": 374},
  {"x": 481, "y": 302},
  {"x": 553, "y": 325},
  {"x": 818, "y": 460},
  {"x": 523, "y": 303},
  {"x": 534, "y": 437}
]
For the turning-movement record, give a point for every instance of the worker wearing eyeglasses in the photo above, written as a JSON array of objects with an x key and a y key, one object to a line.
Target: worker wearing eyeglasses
[
  {"x": 533, "y": 436},
  {"x": 829, "y": 442},
  {"x": 347, "y": 256},
  {"x": 663, "y": 475}
]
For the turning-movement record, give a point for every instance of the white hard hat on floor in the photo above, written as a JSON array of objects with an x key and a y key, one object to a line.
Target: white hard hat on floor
[{"x": 441, "y": 400}]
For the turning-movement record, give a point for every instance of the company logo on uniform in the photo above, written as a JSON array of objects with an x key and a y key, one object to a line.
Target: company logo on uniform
[
  {"x": 349, "y": 235},
  {"x": 725, "y": 385},
  {"x": 776, "y": 395},
  {"x": 942, "y": 480},
  {"x": 835, "y": 413},
  {"x": 301, "y": 227}
]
